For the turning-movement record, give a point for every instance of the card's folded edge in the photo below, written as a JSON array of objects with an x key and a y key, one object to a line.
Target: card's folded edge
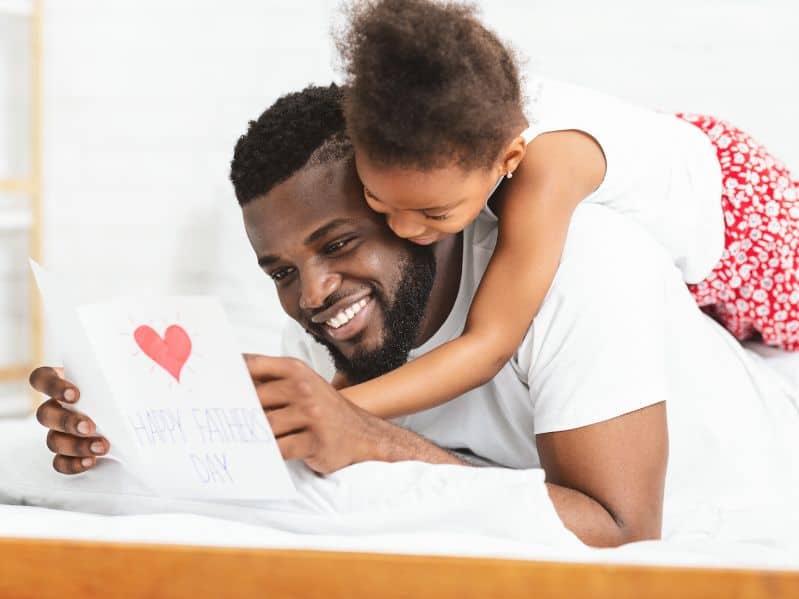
[{"x": 81, "y": 367}]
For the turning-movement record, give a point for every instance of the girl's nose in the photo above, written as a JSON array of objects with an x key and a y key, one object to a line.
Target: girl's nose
[{"x": 405, "y": 224}]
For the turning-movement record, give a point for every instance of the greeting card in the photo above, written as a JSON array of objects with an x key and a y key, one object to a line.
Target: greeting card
[{"x": 164, "y": 382}]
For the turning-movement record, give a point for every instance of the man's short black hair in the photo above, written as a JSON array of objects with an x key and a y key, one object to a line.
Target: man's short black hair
[{"x": 299, "y": 129}]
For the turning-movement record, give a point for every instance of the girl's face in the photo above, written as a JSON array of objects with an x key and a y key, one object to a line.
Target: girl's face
[{"x": 425, "y": 206}]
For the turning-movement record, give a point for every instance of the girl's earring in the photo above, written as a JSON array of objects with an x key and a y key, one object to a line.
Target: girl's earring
[{"x": 509, "y": 175}]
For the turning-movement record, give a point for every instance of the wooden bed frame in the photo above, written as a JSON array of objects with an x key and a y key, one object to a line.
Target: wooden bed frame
[{"x": 62, "y": 568}]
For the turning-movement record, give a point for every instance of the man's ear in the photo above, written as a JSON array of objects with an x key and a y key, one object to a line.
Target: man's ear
[{"x": 512, "y": 155}]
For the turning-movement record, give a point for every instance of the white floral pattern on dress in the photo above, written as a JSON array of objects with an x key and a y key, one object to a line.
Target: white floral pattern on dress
[{"x": 754, "y": 289}]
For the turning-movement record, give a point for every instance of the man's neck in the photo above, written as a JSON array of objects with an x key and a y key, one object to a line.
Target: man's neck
[{"x": 449, "y": 258}]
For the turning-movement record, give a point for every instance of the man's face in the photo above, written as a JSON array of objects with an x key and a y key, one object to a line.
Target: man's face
[{"x": 339, "y": 270}]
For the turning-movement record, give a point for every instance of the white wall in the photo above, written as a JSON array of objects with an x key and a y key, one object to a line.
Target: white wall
[
  {"x": 14, "y": 163},
  {"x": 144, "y": 100}
]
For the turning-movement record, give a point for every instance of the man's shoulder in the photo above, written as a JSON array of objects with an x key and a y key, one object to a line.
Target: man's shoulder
[
  {"x": 599, "y": 333},
  {"x": 610, "y": 270},
  {"x": 606, "y": 255}
]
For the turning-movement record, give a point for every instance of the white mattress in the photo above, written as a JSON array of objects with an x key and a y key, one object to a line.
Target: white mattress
[{"x": 396, "y": 508}]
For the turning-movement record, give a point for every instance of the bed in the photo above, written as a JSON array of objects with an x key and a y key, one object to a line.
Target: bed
[
  {"x": 387, "y": 530},
  {"x": 140, "y": 546}
]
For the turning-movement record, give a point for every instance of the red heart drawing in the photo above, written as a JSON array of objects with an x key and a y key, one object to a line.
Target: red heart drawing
[{"x": 171, "y": 352}]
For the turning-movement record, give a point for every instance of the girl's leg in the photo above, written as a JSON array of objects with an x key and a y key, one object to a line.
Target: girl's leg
[{"x": 755, "y": 286}]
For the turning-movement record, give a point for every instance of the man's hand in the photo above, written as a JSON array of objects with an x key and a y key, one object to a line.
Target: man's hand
[
  {"x": 72, "y": 436},
  {"x": 310, "y": 419}
]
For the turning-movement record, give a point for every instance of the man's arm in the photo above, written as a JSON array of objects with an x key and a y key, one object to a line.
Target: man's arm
[
  {"x": 597, "y": 370},
  {"x": 606, "y": 480}
]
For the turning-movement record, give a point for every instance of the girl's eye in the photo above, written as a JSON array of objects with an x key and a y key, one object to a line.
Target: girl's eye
[
  {"x": 332, "y": 248},
  {"x": 281, "y": 274},
  {"x": 444, "y": 216}
]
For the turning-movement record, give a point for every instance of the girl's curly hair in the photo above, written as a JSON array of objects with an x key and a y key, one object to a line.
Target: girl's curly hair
[{"x": 427, "y": 84}]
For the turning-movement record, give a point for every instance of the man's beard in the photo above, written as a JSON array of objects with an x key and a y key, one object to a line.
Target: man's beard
[{"x": 403, "y": 319}]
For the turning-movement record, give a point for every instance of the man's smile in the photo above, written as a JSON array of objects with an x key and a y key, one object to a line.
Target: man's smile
[
  {"x": 346, "y": 318},
  {"x": 346, "y": 315},
  {"x": 350, "y": 322},
  {"x": 338, "y": 312}
]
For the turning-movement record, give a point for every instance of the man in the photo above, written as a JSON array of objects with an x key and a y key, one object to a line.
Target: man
[{"x": 584, "y": 397}]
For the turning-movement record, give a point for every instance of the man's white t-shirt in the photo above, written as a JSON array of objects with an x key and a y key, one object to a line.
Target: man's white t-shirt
[{"x": 618, "y": 331}]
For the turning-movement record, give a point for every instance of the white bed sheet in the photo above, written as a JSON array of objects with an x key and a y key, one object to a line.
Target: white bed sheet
[
  {"x": 432, "y": 510},
  {"x": 723, "y": 551},
  {"x": 395, "y": 508}
]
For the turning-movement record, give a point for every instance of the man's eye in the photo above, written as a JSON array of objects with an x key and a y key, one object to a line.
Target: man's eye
[
  {"x": 281, "y": 274},
  {"x": 444, "y": 216},
  {"x": 332, "y": 248}
]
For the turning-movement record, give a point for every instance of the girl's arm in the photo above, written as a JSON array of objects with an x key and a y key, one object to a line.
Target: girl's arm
[{"x": 558, "y": 171}]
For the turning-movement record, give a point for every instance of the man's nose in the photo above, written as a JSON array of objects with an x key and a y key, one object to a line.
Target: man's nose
[
  {"x": 317, "y": 285},
  {"x": 405, "y": 224}
]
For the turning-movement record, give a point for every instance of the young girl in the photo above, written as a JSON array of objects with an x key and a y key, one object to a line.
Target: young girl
[{"x": 434, "y": 109}]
